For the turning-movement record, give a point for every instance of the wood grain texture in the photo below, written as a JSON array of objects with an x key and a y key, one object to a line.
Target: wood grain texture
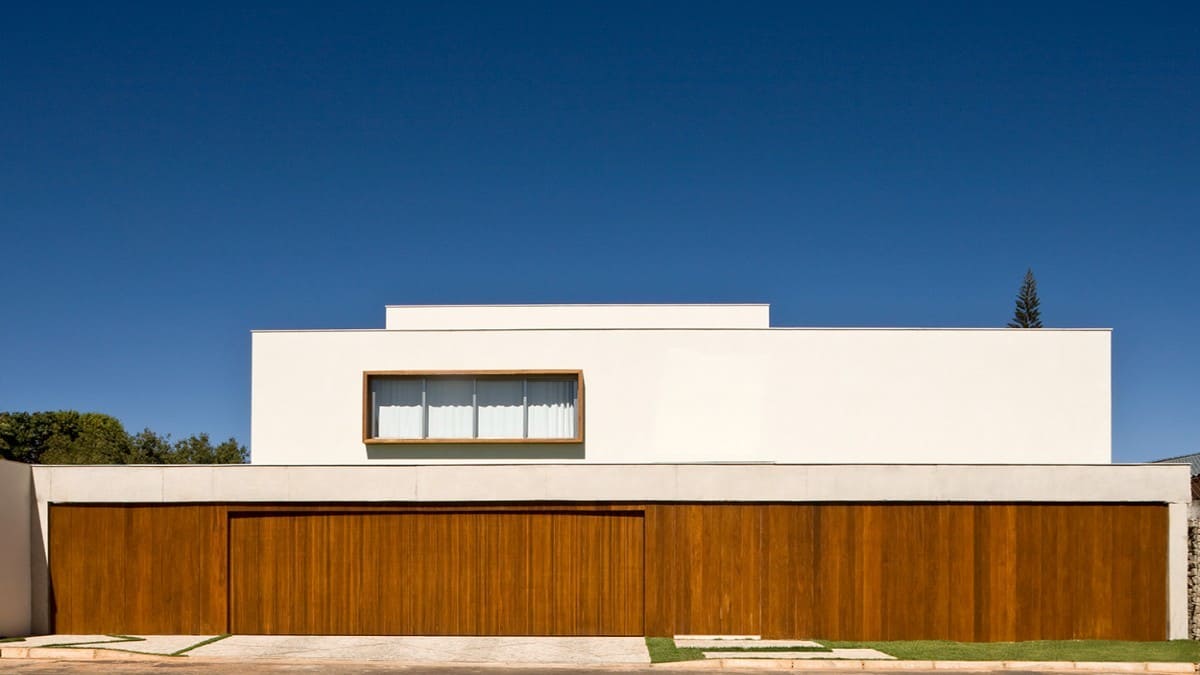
[
  {"x": 987, "y": 572},
  {"x": 974, "y": 572},
  {"x": 137, "y": 569},
  {"x": 464, "y": 573},
  {"x": 701, "y": 574}
]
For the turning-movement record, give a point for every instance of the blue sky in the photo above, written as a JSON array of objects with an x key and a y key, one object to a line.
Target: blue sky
[{"x": 175, "y": 175}]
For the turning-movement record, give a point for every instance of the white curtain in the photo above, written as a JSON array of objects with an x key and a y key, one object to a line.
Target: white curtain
[
  {"x": 551, "y": 408},
  {"x": 397, "y": 407},
  {"x": 501, "y": 408},
  {"x": 451, "y": 409}
]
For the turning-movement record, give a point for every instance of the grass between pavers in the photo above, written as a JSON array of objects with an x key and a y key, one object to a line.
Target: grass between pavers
[
  {"x": 663, "y": 650},
  {"x": 116, "y": 639},
  {"x": 1036, "y": 650},
  {"x": 11, "y": 639},
  {"x": 765, "y": 649},
  {"x": 209, "y": 641}
]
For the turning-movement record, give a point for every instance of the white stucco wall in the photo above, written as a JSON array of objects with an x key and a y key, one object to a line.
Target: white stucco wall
[
  {"x": 483, "y": 317},
  {"x": 787, "y": 395},
  {"x": 16, "y": 505},
  {"x": 1103, "y": 483}
]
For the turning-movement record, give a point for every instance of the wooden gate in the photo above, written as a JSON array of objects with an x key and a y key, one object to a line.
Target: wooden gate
[{"x": 456, "y": 573}]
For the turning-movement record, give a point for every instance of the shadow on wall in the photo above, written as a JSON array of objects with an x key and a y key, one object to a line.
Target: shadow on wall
[
  {"x": 551, "y": 451},
  {"x": 16, "y": 562}
]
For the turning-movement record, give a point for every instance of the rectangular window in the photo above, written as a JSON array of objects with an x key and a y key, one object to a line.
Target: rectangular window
[{"x": 477, "y": 407}]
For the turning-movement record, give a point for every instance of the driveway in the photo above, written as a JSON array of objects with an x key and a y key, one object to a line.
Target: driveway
[
  {"x": 582, "y": 651},
  {"x": 507, "y": 650},
  {"x": 250, "y": 667}
]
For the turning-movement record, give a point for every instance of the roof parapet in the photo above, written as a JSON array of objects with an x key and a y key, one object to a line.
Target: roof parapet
[{"x": 501, "y": 317}]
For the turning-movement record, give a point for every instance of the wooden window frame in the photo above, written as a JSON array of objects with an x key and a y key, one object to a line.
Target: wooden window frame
[{"x": 368, "y": 439}]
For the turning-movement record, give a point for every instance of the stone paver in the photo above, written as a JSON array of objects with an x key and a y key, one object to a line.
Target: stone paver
[
  {"x": 150, "y": 644},
  {"x": 46, "y": 640},
  {"x": 571, "y": 650},
  {"x": 158, "y": 644},
  {"x": 708, "y": 644}
]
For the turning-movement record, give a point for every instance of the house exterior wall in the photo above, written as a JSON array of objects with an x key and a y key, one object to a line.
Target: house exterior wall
[
  {"x": 705, "y": 486},
  {"x": 734, "y": 395},
  {"x": 16, "y": 504}
]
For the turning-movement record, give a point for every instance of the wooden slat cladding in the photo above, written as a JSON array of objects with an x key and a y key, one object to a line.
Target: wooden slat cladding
[
  {"x": 964, "y": 572},
  {"x": 868, "y": 571},
  {"x": 702, "y": 569},
  {"x": 975, "y": 572},
  {"x": 473, "y": 573},
  {"x": 138, "y": 569}
]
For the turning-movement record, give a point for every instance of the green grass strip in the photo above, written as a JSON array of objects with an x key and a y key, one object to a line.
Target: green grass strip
[
  {"x": 803, "y": 648},
  {"x": 1179, "y": 651},
  {"x": 12, "y": 639},
  {"x": 209, "y": 641},
  {"x": 663, "y": 650}
]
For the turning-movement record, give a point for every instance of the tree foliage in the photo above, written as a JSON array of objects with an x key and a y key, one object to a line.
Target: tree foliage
[
  {"x": 71, "y": 437},
  {"x": 1028, "y": 313}
]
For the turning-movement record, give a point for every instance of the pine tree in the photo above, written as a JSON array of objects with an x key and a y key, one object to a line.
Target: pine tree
[{"x": 1028, "y": 313}]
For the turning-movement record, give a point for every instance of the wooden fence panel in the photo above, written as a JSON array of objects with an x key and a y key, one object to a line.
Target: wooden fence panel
[
  {"x": 973, "y": 572},
  {"x": 137, "y": 569},
  {"x": 469, "y": 573}
]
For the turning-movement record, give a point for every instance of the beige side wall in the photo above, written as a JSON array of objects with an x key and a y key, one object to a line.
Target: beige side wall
[
  {"x": 786, "y": 395},
  {"x": 16, "y": 504}
]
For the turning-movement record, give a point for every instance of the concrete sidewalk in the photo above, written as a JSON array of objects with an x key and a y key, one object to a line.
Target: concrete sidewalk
[
  {"x": 525, "y": 650},
  {"x": 574, "y": 651},
  {"x": 214, "y": 653}
]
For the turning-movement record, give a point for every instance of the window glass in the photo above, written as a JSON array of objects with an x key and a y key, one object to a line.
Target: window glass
[
  {"x": 501, "y": 405},
  {"x": 398, "y": 410},
  {"x": 551, "y": 409},
  {"x": 451, "y": 410},
  {"x": 452, "y": 407}
]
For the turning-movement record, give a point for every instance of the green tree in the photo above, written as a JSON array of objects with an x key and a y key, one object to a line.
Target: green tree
[
  {"x": 25, "y": 436},
  {"x": 150, "y": 448},
  {"x": 71, "y": 437},
  {"x": 62, "y": 437},
  {"x": 98, "y": 439},
  {"x": 1028, "y": 313},
  {"x": 199, "y": 449}
]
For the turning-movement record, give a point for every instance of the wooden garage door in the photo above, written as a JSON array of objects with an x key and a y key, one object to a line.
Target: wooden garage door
[{"x": 450, "y": 573}]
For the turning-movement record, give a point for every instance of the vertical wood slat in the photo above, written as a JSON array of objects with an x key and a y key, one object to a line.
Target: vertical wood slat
[
  {"x": 138, "y": 569},
  {"x": 855, "y": 571},
  {"x": 499, "y": 573},
  {"x": 982, "y": 572},
  {"x": 702, "y": 569}
]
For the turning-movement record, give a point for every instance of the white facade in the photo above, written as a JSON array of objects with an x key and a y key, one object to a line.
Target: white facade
[
  {"x": 704, "y": 383},
  {"x": 1150, "y": 483}
]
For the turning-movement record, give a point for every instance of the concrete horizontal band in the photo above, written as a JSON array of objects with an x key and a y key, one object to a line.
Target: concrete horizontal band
[{"x": 1154, "y": 483}]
